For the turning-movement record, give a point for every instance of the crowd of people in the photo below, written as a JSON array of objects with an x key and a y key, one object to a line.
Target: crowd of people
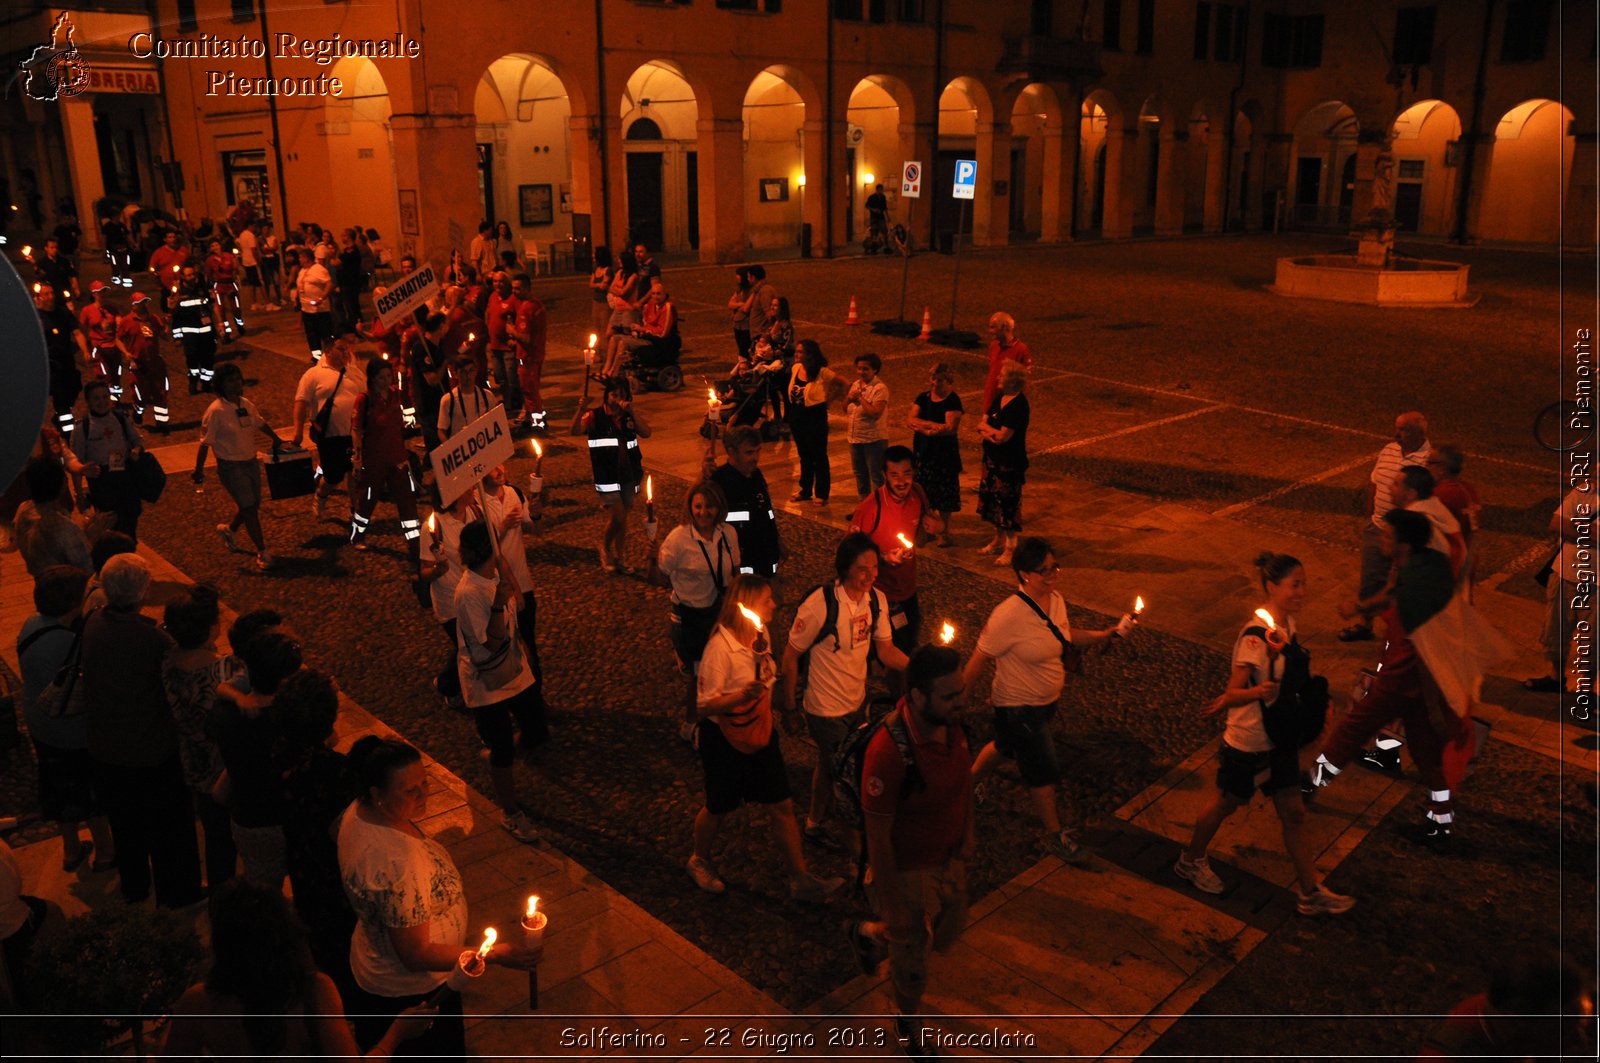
[{"x": 142, "y": 729}]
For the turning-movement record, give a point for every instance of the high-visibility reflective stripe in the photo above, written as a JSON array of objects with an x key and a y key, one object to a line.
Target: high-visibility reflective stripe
[
  {"x": 194, "y": 373},
  {"x": 596, "y": 443},
  {"x": 613, "y": 489},
  {"x": 1444, "y": 819},
  {"x": 747, "y": 570},
  {"x": 413, "y": 533},
  {"x": 738, "y": 516},
  {"x": 194, "y": 302},
  {"x": 633, "y": 444},
  {"x": 771, "y": 515},
  {"x": 1439, "y": 795},
  {"x": 1389, "y": 743},
  {"x": 161, "y": 415}
]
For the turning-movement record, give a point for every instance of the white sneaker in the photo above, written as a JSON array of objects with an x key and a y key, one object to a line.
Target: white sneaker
[
  {"x": 703, "y": 876},
  {"x": 520, "y": 827},
  {"x": 1199, "y": 873},
  {"x": 1323, "y": 901},
  {"x": 227, "y": 536}
]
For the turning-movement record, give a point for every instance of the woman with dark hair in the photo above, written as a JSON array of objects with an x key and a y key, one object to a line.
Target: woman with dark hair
[
  {"x": 248, "y": 735},
  {"x": 1004, "y": 431},
  {"x": 620, "y": 296},
  {"x": 599, "y": 284},
  {"x": 379, "y": 460},
  {"x": 1249, "y": 759},
  {"x": 738, "y": 742},
  {"x": 505, "y": 247},
  {"x": 810, "y": 381},
  {"x": 316, "y": 790},
  {"x": 229, "y": 427},
  {"x": 739, "y": 307},
  {"x": 698, "y": 560},
  {"x": 773, "y": 354},
  {"x": 934, "y": 421},
  {"x": 191, "y": 674},
  {"x": 410, "y": 907},
  {"x": 263, "y": 997}
]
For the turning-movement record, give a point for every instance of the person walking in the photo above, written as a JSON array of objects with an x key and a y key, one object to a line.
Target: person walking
[
  {"x": 935, "y": 421},
  {"x": 865, "y": 403},
  {"x": 139, "y": 339},
  {"x": 614, "y": 429},
  {"x": 313, "y": 294},
  {"x": 810, "y": 381},
  {"x": 1249, "y": 759},
  {"x": 1409, "y": 447},
  {"x": 195, "y": 325},
  {"x": 106, "y": 447},
  {"x": 325, "y": 403},
  {"x": 426, "y": 365},
  {"x": 1003, "y": 347},
  {"x": 1031, "y": 643},
  {"x": 1004, "y": 431},
  {"x": 379, "y": 461},
  {"x": 99, "y": 320},
  {"x": 750, "y": 511},
  {"x": 738, "y": 743},
  {"x": 228, "y": 429},
  {"x": 512, "y": 515}
]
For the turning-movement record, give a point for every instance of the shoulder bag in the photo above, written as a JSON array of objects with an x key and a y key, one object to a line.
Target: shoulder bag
[
  {"x": 148, "y": 475},
  {"x": 319, "y": 423},
  {"x": 1071, "y": 656}
]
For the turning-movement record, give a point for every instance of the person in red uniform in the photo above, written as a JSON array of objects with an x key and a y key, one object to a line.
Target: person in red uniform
[
  {"x": 139, "y": 339},
  {"x": 467, "y": 332},
  {"x": 528, "y": 338},
  {"x": 99, "y": 322},
  {"x": 501, "y": 317},
  {"x": 222, "y": 272},
  {"x": 1003, "y": 344},
  {"x": 380, "y": 461},
  {"x": 166, "y": 261}
]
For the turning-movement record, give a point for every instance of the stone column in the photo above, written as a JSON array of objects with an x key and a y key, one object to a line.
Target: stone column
[
  {"x": 1578, "y": 230},
  {"x": 721, "y": 148},
  {"x": 1122, "y": 158},
  {"x": 1060, "y": 164},
  {"x": 588, "y": 177},
  {"x": 1216, "y": 190},
  {"x": 83, "y": 166},
  {"x": 1169, "y": 182},
  {"x": 991, "y": 210},
  {"x": 816, "y": 210},
  {"x": 1270, "y": 179},
  {"x": 1477, "y": 157},
  {"x": 436, "y": 155}
]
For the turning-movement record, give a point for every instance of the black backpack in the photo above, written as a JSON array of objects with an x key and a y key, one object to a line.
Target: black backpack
[
  {"x": 830, "y": 621},
  {"x": 1299, "y": 715}
]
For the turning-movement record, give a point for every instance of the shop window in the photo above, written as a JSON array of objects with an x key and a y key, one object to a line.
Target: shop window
[
  {"x": 244, "y": 10},
  {"x": 1291, "y": 41},
  {"x": 1413, "y": 35},
  {"x": 1202, "y": 29}
]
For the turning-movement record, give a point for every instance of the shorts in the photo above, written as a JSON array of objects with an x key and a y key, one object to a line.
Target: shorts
[
  {"x": 939, "y": 891},
  {"x": 905, "y": 624},
  {"x": 829, "y": 732},
  {"x": 242, "y": 481},
  {"x": 1022, "y": 733},
  {"x": 691, "y": 629},
  {"x": 733, "y": 778},
  {"x": 1240, "y": 774},
  {"x": 495, "y": 726},
  {"x": 252, "y": 276},
  {"x": 333, "y": 458}
]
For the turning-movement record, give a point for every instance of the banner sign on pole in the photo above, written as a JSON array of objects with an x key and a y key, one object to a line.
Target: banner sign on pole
[
  {"x": 406, "y": 294},
  {"x": 966, "y": 179},
  {"x": 463, "y": 459},
  {"x": 911, "y": 180}
]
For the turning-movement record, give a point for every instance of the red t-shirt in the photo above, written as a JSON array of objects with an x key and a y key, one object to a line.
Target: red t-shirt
[
  {"x": 142, "y": 337},
  {"x": 496, "y": 315},
  {"x": 930, "y": 823},
  {"x": 1461, "y": 499},
  {"x": 167, "y": 263},
  {"x": 100, "y": 324},
  {"x": 897, "y": 582},
  {"x": 1017, "y": 352},
  {"x": 383, "y": 444},
  {"x": 532, "y": 322}
]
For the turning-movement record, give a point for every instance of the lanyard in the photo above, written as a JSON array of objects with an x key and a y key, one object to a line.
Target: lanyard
[{"x": 716, "y": 570}]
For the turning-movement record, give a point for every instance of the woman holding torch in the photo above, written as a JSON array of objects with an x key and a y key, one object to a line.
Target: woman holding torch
[
  {"x": 1249, "y": 759},
  {"x": 738, "y": 743}
]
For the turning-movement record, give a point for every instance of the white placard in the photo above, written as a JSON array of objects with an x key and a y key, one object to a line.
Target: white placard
[
  {"x": 463, "y": 459},
  {"x": 406, "y": 294}
]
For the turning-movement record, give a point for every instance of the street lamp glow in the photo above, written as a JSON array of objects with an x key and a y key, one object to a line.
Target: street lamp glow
[
  {"x": 868, "y": 177},
  {"x": 800, "y": 181}
]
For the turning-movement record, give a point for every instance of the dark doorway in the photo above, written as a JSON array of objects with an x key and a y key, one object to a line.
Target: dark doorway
[
  {"x": 1097, "y": 208},
  {"x": 120, "y": 138},
  {"x": 1308, "y": 182},
  {"x": 1347, "y": 190},
  {"x": 1019, "y": 190},
  {"x": 486, "y": 181},
  {"x": 644, "y": 198},
  {"x": 1408, "y": 206},
  {"x": 691, "y": 170},
  {"x": 1244, "y": 191},
  {"x": 244, "y": 176}
]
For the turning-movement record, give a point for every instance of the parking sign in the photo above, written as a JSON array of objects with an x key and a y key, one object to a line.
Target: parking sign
[
  {"x": 911, "y": 180},
  {"x": 966, "y": 179}
]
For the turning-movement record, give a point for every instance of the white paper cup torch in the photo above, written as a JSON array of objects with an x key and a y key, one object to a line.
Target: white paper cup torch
[
  {"x": 589, "y": 351},
  {"x": 535, "y": 479},
  {"x": 472, "y": 962},
  {"x": 533, "y": 925}
]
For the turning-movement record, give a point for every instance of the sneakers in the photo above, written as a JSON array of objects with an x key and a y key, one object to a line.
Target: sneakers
[
  {"x": 264, "y": 561},
  {"x": 703, "y": 876},
  {"x": 520, "y": 827},
  {"x": 1065, "y": 847},
  {"x": 1323, "y": 901},
  {"x": 1380, "y": 759},
  {"x": 870, "y": 952},
  {"x": 1199, "y": 874},
  {"x": 813, "y": 890},
  {"x": 821, "y": 837},
  {"x": 227, "y": 536}
]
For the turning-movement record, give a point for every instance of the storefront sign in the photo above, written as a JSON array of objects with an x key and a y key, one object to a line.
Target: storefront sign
[{"x": 134, "y": 79}]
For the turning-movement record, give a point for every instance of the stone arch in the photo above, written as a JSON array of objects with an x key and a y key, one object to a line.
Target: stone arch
[
  {"x": 1100, "y": 115},
  {"x": 1158, "y": 202},
  {"x": 355, "y": 128},
  {"x": 779, "y": 104},
  {"x": 1202, "y": 147},
  {"x": 661, "y": 187},
  {"x": 1035, "y": 166},
  {"x": 1425, "y": 174},
  {"x": 1321, "y": 177},
  {"x": 524, "y": 138},
  {"x": 880, "y": 133},
  {"x": 1526, "y": 185}
]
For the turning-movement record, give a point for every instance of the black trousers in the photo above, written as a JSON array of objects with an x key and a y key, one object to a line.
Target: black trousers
[
  {"x": 447, "y": 1039},
  {"x": 318, "y": 329},
  {"x": 152, "y": 824},
  {"x": 118, "y": 492},
  {"x": 810, "y": 427},
  {"x": 528, "y": 627}
]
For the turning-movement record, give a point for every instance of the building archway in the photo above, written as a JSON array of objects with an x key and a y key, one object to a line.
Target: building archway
[
  {"x": 1034, "y": 178},
  {"x": 524, "y": 148},
  {"x": 356, "y": 130},
  {"x": 1321, "y": 177},
  {"x": 1425, "y": 167},
  {"x": 662, "y": 175},
  {"x": 775, "y": 118},
  {"x": 878, "y": 120},
  {"x": 1100, "y": 115},
  {"x": 1526, "y": 189},
  {"x": 964, "y": 108},
  {"x": 1203, "y": 158}
]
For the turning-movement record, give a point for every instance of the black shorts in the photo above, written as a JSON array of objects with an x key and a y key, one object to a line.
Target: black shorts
[
  {"x": 1022, "y": 733},
  {"x": 691, "y": 629},
  {"x": 252, "y": 276},
  {"x": 1240, "y": 774},
  {"x": 333, "y": 457},
  {"x": 905, "y": 624},
  {"x": 499, "y": 723},
  {"x": 732, "y": 777}
]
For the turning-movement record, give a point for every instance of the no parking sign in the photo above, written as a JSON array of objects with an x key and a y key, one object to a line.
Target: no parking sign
[{"x": 911, "y": 180}]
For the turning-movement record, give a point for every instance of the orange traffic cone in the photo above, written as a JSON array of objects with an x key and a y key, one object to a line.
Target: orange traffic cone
[
  {"x": 927, "y": 324},
  {"x": 852, "y": 318}
]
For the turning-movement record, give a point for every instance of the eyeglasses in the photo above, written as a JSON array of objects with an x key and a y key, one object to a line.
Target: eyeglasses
[{"x": 1048, "y": 570}]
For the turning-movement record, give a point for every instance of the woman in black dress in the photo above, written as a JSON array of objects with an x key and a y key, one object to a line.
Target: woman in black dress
[
  {"x": 934, "y": 420},
  {"x": 1005, "y": 462}
]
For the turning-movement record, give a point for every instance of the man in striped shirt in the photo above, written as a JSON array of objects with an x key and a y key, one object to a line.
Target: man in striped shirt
[{"x": 1410, "y": 447}]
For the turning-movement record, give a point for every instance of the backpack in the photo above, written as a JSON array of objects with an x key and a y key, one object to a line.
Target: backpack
[
  {"x": 830, "y": 624},
  {"x": 1297, "y": 718},
  {"x": 849, "y": 760},
  {"x": 916, "y": 489}
]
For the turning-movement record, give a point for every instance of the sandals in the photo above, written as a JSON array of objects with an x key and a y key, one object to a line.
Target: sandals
[
  {"x": 1542, "y": 684},
  {"x": 1355, "y": 633}
]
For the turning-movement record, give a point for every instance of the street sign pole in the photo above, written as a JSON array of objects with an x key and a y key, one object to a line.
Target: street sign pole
[
  {"x": 955, "y": 281},
  {"x": 911, "y": 189},
  {"x": 905, "y": 257},
  {"x": 964, "y": 188}
]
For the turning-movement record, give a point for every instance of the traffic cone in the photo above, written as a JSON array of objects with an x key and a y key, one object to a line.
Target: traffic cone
[
  {"x": 927, "y": 324},
  {"x": 852, "y": 318}
]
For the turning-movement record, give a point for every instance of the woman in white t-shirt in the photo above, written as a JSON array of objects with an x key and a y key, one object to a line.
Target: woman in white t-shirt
[
  {"x": 229, "y": 428},
  {"x": 441, "y": 572},
  {"x": 1248, "y": 759},
  {"x": 410, "y": 906},
  {"x": 1030, "y": 639}
]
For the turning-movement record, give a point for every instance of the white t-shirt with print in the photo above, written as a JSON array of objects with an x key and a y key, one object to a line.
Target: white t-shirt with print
[
  {"x": 230, "y": 436},
  {"x": 836, "y": 683},
  {"x": 1027, "y": 656}
]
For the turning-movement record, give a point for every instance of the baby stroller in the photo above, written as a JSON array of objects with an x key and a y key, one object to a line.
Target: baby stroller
[
  {"x": 655, "y": 365},
  {"x": 747, "y": 397}
]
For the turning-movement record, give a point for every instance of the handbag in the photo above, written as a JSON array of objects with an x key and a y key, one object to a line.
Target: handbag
[
  {"x": 63, "y": 696},
  {"x": 148, "y": 475},
  {"x": 319, "y": 423},
  {"x": 504, "y": 665}
]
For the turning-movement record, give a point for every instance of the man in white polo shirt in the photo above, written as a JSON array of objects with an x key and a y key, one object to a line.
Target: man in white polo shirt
[
  {"x": 1410, "y": 447},
  {"x": 836, "y": 683}
]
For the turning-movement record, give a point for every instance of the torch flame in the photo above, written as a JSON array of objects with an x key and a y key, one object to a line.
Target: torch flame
[
  {"x": 752, "y": 617},
  {"x": 27, "y": 250},
  {"x": 711, "y": 397},
  {"x": 471, "y": 336},
  {"x": 1138, "y": 605},
  {"x": 907, "y": 543},
  {"x": 649, "y": 488},
  {"x": 593, "y": 339},
  {"x": 36, "y": 288},
  {"x": 489, "y": 935},
  {"x": 533, "y": 907},
  {"x": 947, "y": 633},
  {"x": 1266, "y": 618},
  {"x": 433, "y": 522},
  {"x": 538, "y": 451}
]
